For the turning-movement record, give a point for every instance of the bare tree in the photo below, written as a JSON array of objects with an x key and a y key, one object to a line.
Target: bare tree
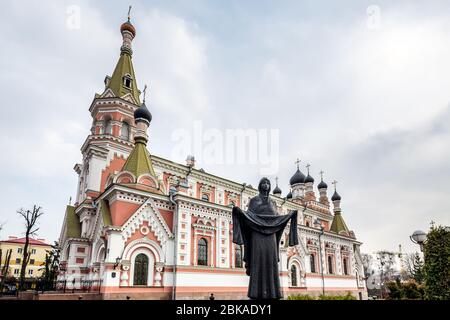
[
  {"x": 386, "y": 262},
  {"x": 4, "y": 269},
  {"x": 31, "y": 217}
]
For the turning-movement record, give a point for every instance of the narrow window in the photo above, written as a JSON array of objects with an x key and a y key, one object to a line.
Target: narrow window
[
  {"x": 344, "y": 262},
  {"x": 312, "y": 262},
  {"x": 125, "y": 131},
  {"x": 127, "y": 81},
  {"x": 108, "y": 126},
  {"x": 330, "y": 265},
  {"x": 202, "y": 252},
  {"x": 293, "y": 276},
  {"x": 140, "y": 270}
]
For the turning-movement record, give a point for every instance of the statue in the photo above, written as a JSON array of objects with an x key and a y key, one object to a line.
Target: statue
[{"x": 260, "y": 230}]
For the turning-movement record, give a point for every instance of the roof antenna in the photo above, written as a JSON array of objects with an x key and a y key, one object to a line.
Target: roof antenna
[{"x": 129, "y": 10}]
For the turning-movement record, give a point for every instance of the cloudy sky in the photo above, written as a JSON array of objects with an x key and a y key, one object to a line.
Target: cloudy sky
[{"x": 360, "y": 89}]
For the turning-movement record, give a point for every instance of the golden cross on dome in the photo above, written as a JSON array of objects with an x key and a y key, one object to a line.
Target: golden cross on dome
[{"x": 129, "y": 10}]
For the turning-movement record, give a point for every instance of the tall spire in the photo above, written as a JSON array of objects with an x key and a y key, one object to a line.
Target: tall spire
[{"x": 123, "y": 79}]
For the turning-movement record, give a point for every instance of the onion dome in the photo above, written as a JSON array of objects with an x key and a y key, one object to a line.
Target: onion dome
[
  {"x": 289, "y": 195},
  {"x": 322, "y": 185},
  {"x": 298, "y": 177},
  {"x": 335, "y": 196},
  {"x": 277, "y": 190},
  {"x": 127, "y": 26},
  {"x": 142, "y": 113},
  {"x": 309, "y": 179}
]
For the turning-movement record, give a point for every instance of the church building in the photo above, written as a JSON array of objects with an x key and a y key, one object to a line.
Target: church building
[{"x": 146, "y": 227}]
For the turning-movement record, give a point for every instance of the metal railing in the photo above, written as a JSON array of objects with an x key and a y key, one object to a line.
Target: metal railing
[{"x": 58, "y": 286}]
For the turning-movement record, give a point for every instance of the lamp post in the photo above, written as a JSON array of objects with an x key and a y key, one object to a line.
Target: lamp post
[
  {"x": 317, "y": 224},
  {"x": 419, "y": 237}
]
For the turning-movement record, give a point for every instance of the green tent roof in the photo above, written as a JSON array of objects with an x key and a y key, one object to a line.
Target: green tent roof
[
  {"x": 338, "y": 225},
  {"x": 139, "y": 162},
  {"x": 116, "y": 83},
  {"x": 73, "y": 225}
]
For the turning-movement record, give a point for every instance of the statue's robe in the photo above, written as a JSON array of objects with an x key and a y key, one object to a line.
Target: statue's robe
[{"x": 260, "y": 230}]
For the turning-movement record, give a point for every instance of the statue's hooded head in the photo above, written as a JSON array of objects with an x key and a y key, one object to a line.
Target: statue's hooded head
[{"x": 264, "y": 186}]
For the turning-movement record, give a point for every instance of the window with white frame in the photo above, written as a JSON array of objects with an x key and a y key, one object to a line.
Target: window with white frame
[{"x": 125, "y": 131}]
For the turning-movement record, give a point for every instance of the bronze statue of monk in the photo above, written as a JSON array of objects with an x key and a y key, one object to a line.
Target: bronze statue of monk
[{"x": 260, "y": 230}]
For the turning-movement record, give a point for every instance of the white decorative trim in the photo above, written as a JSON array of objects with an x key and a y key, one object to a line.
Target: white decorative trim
[
  {"x": 148, "y": 212},
  {"x": 144, "y": 243},
  {"x": 144, "y": 230}
]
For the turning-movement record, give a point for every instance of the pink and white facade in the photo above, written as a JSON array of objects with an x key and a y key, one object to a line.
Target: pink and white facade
[{"x": 165, "y": 231}]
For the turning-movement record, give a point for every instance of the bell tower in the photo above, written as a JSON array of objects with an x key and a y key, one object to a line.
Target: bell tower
[{"x": 111, "y": 139}]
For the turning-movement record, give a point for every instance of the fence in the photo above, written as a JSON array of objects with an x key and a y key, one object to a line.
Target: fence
[{"x": 58, "y": 286}]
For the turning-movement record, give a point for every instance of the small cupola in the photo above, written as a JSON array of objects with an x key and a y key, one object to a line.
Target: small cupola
[
  {"x": 277, "y": 190},
  {"x": 298, "y": 176}
]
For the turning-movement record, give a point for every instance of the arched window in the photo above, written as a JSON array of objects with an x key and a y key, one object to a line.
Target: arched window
[
  {"x": 330, "y": 265},
  {"x": 293, "y": 276},
  {"x": 205, "y": 197},
  {"x": 344, "y": 262},
  {"x": 140, "y": 270},
  {"x": 125, "y": 131},
  {"x": 202, "y": 259},
  {"x": 238, "y": 256},
  {"x": 108, "y": 127},
  {"x": 307, "y": 223},
  {"x": 312, "y": 261}
]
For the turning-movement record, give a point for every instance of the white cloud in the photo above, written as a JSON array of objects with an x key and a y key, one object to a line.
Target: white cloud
[{"x": 367, "y": 106}]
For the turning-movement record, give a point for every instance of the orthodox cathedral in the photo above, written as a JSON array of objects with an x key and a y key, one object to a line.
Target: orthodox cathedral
[{"x": 145, "y": 227}]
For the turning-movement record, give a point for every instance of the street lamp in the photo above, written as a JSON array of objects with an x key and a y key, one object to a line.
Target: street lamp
[
  {"x": 419, "y": 237},
  {"x": 317, "y": 224},
  {"x": 118, "y": 259}
]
